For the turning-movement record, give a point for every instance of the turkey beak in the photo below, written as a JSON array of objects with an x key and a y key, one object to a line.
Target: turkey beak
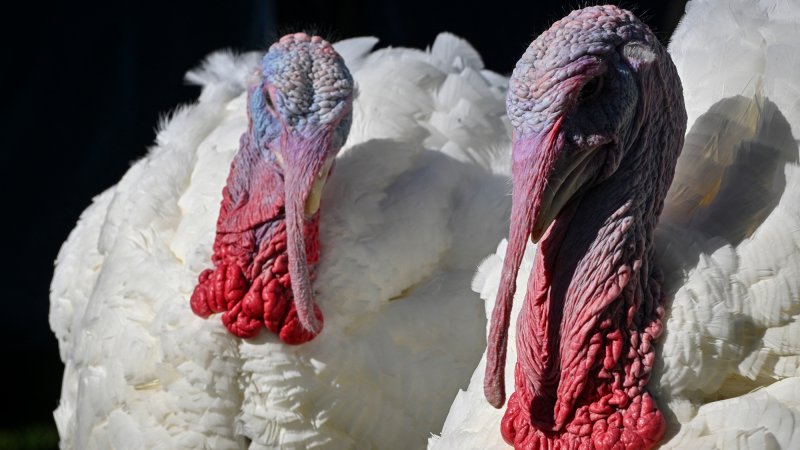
[
  {"x": 535, "y": 202},
  {"x": 307, "y": 167},
  {"x": 315, "y": 192},
  {"x": 555, "y": 186}
]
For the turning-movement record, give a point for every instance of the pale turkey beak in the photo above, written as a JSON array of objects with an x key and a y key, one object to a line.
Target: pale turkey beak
[
  {"x": 552, "y": 192},
  {"x": 307, "y": 166},
  {"x": 315, "y": 191}
]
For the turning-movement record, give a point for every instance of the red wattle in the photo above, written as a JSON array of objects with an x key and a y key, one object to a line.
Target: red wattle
[
  {"x": 586, "y": 345},
  {"x": 613, "y": 410},
  {"x": 595, "y": 425},
  {"x": 264, "y": 299},
  {"x": 250, "y": 283}
]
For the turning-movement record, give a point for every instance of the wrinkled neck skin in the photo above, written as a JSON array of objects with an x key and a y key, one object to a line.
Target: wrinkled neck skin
[
  {"x": 593, "y": 311},
  {"x": 585, "y": 333}
]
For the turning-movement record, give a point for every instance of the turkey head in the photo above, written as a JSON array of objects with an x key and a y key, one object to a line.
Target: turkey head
[
  {"x": 267, "y": 238},
  {"x": 597, "y": 110}
]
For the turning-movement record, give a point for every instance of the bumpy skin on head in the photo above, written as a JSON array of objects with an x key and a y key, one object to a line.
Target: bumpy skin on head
[
  {"x": 267, "y": 243},
  {"x": 598, "y": 117}
]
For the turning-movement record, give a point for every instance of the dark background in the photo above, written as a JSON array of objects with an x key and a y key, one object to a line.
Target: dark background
[{"x": 87, "y": 83}]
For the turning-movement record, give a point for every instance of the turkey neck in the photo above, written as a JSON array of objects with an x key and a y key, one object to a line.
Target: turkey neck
[{"x": 593, "y": 298}]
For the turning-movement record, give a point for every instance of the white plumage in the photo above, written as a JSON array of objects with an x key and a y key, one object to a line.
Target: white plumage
[
  {"x": 728, "y": 371},
  {"x": 416, "y": 199}
]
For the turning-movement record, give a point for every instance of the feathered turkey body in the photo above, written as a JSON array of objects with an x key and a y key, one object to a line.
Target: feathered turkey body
[
  {"x": 404, "y": 224},
  {"x": 727, "y": 368}
]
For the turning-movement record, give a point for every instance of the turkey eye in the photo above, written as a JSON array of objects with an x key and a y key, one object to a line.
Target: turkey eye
[
  {"x": 268, "y": 101},
  {"x": 591, "y": 89}
]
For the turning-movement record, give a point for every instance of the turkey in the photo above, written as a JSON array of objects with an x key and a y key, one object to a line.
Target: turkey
[
  {"x": 633, "y": 332},
  {"x": 416, "y": 197}
]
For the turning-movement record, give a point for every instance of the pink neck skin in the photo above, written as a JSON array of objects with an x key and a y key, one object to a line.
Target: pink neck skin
[{"x": 585, "y": 334}]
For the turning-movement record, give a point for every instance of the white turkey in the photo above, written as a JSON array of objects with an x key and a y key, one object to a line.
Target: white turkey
[
  {"x": 628, "y": 334},
  {"x": 415, "y": 200}
]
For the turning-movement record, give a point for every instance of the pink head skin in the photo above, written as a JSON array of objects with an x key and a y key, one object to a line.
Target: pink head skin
[
  {"x": 267, "y": 246},
  {"x": 597, "y": 110}
]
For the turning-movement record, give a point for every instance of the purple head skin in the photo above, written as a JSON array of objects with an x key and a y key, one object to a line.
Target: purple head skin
[
  {"x": 300, "y": 111},
  {"x": 597, "y": 110}
]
